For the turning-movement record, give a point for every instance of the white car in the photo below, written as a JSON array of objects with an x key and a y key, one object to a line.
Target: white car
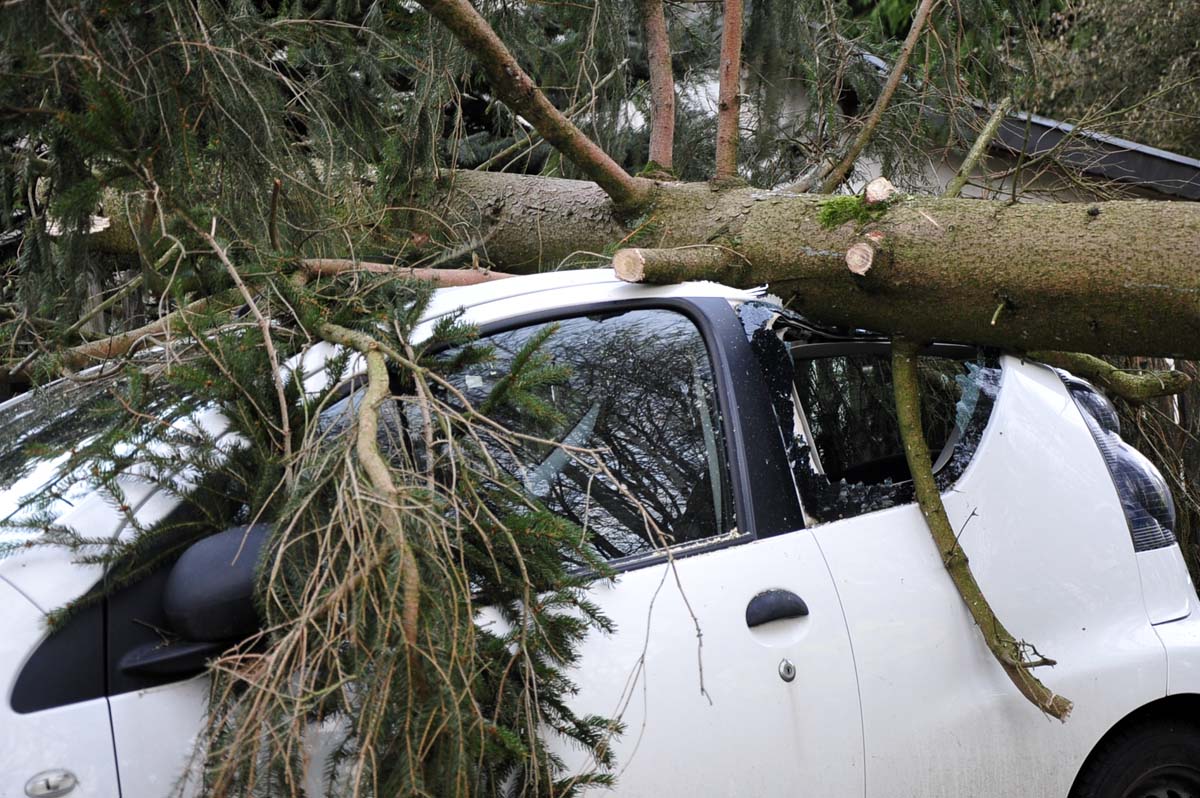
[{"x": 800, "y": 637}]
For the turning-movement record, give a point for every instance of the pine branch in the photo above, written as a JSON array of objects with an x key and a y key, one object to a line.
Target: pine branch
[
  {"x": 369, "y": 456},
  {"x": 839, "y": 173},
  {"x": 729, "y": 93},
  {"x": 662, "y": 84},
  {"x": 978, "y": 148},
  {"x": 1135, "y": 387},
  {"x": 446, "y": 278},
  {"x": 285, "y": 430},
  {"x": 1007, "y": 650},
  {"x": 518, "y": 91},
  {"x": 113, "y": 346}
]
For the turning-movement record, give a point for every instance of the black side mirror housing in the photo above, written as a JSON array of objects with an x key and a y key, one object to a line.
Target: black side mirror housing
[
  {"x": 209, "y": 595},
  {"x": 208, "y": 600}
]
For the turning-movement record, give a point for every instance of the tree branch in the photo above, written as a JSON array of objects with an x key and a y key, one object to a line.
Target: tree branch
[
  {"x": 728, "y": 95},
  {"x": 376, "y": 467},
  {"x": 955, "y": 186},
  {"x": 701, "y": 262},
  {"x": 662, "y": 84},
  {"x": 518, "y": 91},
  {"x": 1007, "y": 650},
  {"x": 1136, "y": 387},
  {"x": 445, "y": 278},
  {"x": 839, "y": 173},
  {"x": 120, "y": 344}
]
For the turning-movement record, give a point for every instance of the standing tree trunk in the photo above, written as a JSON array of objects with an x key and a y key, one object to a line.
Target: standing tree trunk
[
  {"x": 729, "y": 93},
  {"x": 662, "y": 85}
]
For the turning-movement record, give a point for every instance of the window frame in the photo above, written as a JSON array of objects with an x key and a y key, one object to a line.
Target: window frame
[{"x": 765, "y": 501}]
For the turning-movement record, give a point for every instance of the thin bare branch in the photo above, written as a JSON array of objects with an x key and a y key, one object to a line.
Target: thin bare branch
[
  {"x": 977, "y": 150},
  {"x": 518, "y": 91},
  {"x": 839, "y": 172}
]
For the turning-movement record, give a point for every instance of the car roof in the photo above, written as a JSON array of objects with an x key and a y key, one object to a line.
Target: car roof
[{"x": 562, "y": 288}]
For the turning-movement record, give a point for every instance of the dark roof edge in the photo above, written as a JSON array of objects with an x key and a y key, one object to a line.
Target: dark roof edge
[{"x": 1101, "y": 155}]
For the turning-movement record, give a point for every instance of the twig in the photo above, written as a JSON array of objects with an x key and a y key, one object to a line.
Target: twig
[
  {"x": 839, "y": 173},
  {"x": 728, "y": 94},
  {"x": 273, "y": 221}
]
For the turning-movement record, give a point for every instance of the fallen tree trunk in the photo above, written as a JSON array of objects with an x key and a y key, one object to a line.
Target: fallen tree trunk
[{"x": 1106, "y": 278}]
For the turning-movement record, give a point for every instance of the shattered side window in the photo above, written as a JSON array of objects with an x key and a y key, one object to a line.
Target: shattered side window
[{"x": 835, "y": 405}]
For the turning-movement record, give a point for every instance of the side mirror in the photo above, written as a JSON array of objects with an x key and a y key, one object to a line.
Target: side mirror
[{"x": 208, "y": 600}]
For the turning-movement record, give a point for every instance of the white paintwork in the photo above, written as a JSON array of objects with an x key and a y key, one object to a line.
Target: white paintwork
[
  {"x": 1182, "y": 642},
  {"x": 937, "y": 717},
  {"x": 1166, "y": 585},
  {"x": 504, "y": 299},
  {"x": 74, "y": 737},
  {"x": 154, "y": 737},
  {"x": 753, "y": 734},
  {"x": 1051, "y": 550}
]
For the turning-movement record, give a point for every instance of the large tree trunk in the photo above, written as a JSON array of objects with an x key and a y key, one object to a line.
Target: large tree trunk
[{"x": 1109, "y": 277}]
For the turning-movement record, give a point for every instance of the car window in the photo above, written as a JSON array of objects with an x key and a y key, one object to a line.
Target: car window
[
  {"x": 623, "y": 425},
  {"x": 847, "y": 453}
]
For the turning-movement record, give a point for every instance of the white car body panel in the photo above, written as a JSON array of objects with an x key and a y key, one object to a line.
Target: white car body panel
[
  {"x": 895, "y": 692},
  {"x": 1182, "y": 642},
  {"x": 781, "y": 734},
  {"x": 154, "y": 737},
  {"x": 75, "y": 738},
  {"x": 1166, "y": 585},
  {"x": 917, "y": 646}
]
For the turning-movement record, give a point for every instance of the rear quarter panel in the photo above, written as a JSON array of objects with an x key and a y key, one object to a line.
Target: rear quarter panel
[{"x": 1041, "y": 524}]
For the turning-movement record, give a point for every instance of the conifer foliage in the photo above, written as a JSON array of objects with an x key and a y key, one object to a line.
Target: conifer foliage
[
  {"x": 184, "y": 158},
  {"x": 371, "y": 648}
]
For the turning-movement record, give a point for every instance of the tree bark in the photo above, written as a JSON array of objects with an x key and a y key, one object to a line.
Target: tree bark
[
  {"x": 729, "y": 91},
  {"x": 1103, "y": 278},
  {"x": 662, "y": 84}
]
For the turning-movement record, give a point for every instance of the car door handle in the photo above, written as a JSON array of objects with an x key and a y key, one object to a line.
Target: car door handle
[
  {"x": 51, "y": 784},
  {"x": 774, "y": 605}
]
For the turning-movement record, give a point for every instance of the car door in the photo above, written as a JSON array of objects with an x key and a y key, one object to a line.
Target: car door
[
  {"x": 1046, "y": 541},
  {"x": 730, "y": 667},
  {"x": 55, "y": 738}
]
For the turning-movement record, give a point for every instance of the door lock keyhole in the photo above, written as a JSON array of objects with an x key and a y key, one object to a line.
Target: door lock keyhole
[{"x": 787, "y": 671}]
